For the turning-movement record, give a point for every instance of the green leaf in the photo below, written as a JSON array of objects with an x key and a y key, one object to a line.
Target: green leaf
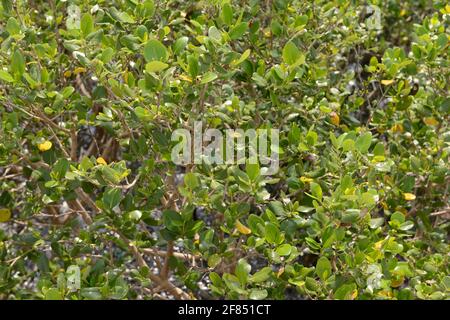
[
  {"x": 155, "y": 50},
  {"x": 208, "y": 77},
  {"x": 17, "y": 63},
  {"x": 363, "y": 142},
  {"x": 227, "y": 14},
  {"x": 149, "y": 8},
  {"x": 272, "y": 233},
  {"x": 291, "y": 54},
  {"x": 12, "y": 26},
  {"x": 86, "y": 24},
  {"x": 351, "y": 215},
  {"x": 242, "y": 58},
  {"x": 53, "y": 294},
  {"x": 121, "y": 16},
  {"x": 238, "y": 31},
  {"x": 345, "y": 292},
  {"x": 67, "y": 92},
  {"x": 180, "y": 45},
  {"x": 258, "y": 294},
  {"x": 214, "y": 34},
  {"x": 376, "y": 222},
  {"x": 193, "y": 66},
  {"x": 316, "y": 190},
  {"x": 261, "y": 275},
  {"x": 91, "y": 293},
  {"x": 155, "y": 66},
  {"x": 252, "y": 170},
  {"x": 214, "y": 260},
  {"x": 172, "y": 220},
  {"x": 135, "y": 215},
  {"x": 242, "y": 271},
  {"x": 191, "y": 180},
  {"x": 5, "y": 76},
  {"x": 111, "y": 197},
  {"x": 323, "y": 268},
  {"x": 284, "y": 249},
  {"x": 107, "y": 55}
]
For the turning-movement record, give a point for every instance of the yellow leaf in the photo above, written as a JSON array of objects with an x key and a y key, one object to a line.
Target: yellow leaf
[
  {"x": 46, "y": 145},
  {"x": 401, "y": 209},
  {"x": 196, "y": 238},
  {"x": 100, "y": 160},
  {"x": 241, "y": 228},
  {"x": 409, "y": 196},
  {"x": 398, "y": 127},
  {"x": 242, "y": 58},
  {"x": 306, "y": 179},
  {"x": 5, "y": 214},
  {"x": 387, "y": 82},
  {"x": 185, "y": 78},
  {"x": 447, "y": 8},
  {"x": 378, "y": 245},
  {"x": 431, "y": 121},
  {"x": 385, "y": 293},
  {"x": 79, "y": 70},
  {"x": 67, "y": 74},
  {"x": 335, "y": 118},
  {"x": 397, "y": 283},
  {"x": 280, "y": 272}
]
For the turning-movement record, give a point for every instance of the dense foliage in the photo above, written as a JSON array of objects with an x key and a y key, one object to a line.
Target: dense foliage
[{"x": 92, "y": 207}]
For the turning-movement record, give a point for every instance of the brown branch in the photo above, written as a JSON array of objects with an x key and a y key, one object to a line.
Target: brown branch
[
  {"x": 163, "y": 283},
  {"x": 162, "y": 253},
  {"x": 87, "y": 199},
  {"x": 73, "y": 145},
  {"x": 166, "y": 268},
  {"x": 80, "y": 84},
  {"x": 439, "y": 213}
]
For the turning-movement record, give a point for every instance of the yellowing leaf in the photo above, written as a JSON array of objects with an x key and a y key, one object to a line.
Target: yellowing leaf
[
  {"x": 335, "y": 118},
  {"x": 79, "y": 70},
  {"x": 305, "y": 179},
  {"x": 241, "y": 228},
  {"x": 185, "y": 78},
  {"x": 409, "y": 196},
  {"x": 5, "y": 214},
  {"x": 385, "y": 293},
  {"x": 46, "y": 145},
  {"x": 280, "y": 272},
  {"x": 431, "y": 121},
  {"x": 378, "y": 245},
  {"x": 242, "y": 58},
  {"x": 401, "y": 209},
  {"x": 397, "y": 283},
  {"x": 387, "y": 82},
  {"x": 447, "y": 8},
  {"x": 67, "y": 74},
  {"x": 398, "y": 127},
  {"x": 100, "y": 160}
]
